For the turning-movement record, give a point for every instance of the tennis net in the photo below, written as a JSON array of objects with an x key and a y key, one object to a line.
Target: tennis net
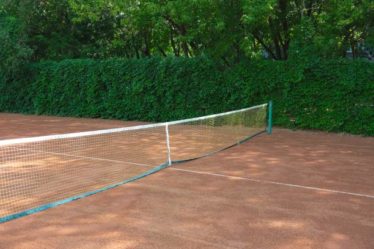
[{"x": 37, "y": 173}]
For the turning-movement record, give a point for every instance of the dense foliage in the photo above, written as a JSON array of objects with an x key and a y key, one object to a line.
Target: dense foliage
[
  {"x": 227, "y": 30},
  {"x": 332, "y": 95},
  {"x": 14, "y": 53}
]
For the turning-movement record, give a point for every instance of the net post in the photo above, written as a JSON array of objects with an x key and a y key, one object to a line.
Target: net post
[
  {"x": 168, "y": 143},
  {"x": 270, "y": 117}
]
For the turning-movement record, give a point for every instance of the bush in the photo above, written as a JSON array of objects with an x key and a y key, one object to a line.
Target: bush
[{"x": 334, "y": 95}]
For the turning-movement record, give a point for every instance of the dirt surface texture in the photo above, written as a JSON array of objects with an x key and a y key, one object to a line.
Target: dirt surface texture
[{"x": 288, "y": 190}]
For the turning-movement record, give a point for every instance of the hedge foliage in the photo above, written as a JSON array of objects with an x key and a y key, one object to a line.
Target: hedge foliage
[{"x": 335, "y": 95}]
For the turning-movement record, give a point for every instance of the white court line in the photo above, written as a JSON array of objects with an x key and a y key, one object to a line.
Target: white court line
[
  {"x": 86, "y": 157},
  {"x": 225, "y": 176},
  {"x": 336, "y": 145},
  {"x": 220, "y": 175},
  {"x": 276, "y": 183},
  {"x": 346, "y": 145}
]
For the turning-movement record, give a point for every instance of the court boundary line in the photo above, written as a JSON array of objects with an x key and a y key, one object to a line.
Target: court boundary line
[
  {"x": 87, "y": 157},
  {"x": 276, "y": 183},
  {"x": 346, "y": 145}
]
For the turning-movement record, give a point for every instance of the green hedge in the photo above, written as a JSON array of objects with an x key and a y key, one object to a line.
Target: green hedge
[{"x": 332, "y": 95}]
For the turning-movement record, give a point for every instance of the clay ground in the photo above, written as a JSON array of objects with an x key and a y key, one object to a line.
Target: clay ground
[{"x": 293, "y": 189}]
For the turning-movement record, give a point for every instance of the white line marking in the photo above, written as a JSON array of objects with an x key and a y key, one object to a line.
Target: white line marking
[
  {"x": 348, "y": 145},
  {"x": 86, "y": 157},
  {"x": 276, "y": 183},
  {"x": 219, "y": 175},
  {"x": 225, "y": 176}
]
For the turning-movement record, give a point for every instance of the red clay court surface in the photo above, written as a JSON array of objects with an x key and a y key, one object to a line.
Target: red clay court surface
[{"x": 293, "y": 189}]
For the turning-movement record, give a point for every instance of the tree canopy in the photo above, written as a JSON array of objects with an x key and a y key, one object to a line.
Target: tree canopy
[
  {"x": 13, "y": 50},
  {"x": 227, "y": 30}
]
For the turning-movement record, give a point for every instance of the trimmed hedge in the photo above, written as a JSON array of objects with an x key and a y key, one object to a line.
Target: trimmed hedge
[{"x": 335, "y": 95}]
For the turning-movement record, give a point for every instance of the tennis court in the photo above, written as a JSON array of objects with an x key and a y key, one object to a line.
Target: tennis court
[{"x": 291, "y": 189}]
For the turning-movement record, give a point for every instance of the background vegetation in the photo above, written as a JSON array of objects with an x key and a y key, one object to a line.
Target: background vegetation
[
  {"x": 228, "y": 30},
  {"x": 162, "y": 59},
  {"x": 333, "y": 95}
]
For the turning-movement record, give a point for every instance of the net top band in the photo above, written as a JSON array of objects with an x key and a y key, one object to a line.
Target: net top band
[{"x": 15, "y": 141}]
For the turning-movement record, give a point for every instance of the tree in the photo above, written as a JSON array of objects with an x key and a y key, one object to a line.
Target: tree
[
  {"x": 14, "y": 53},
  {"x": 226, "y": 30}
]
